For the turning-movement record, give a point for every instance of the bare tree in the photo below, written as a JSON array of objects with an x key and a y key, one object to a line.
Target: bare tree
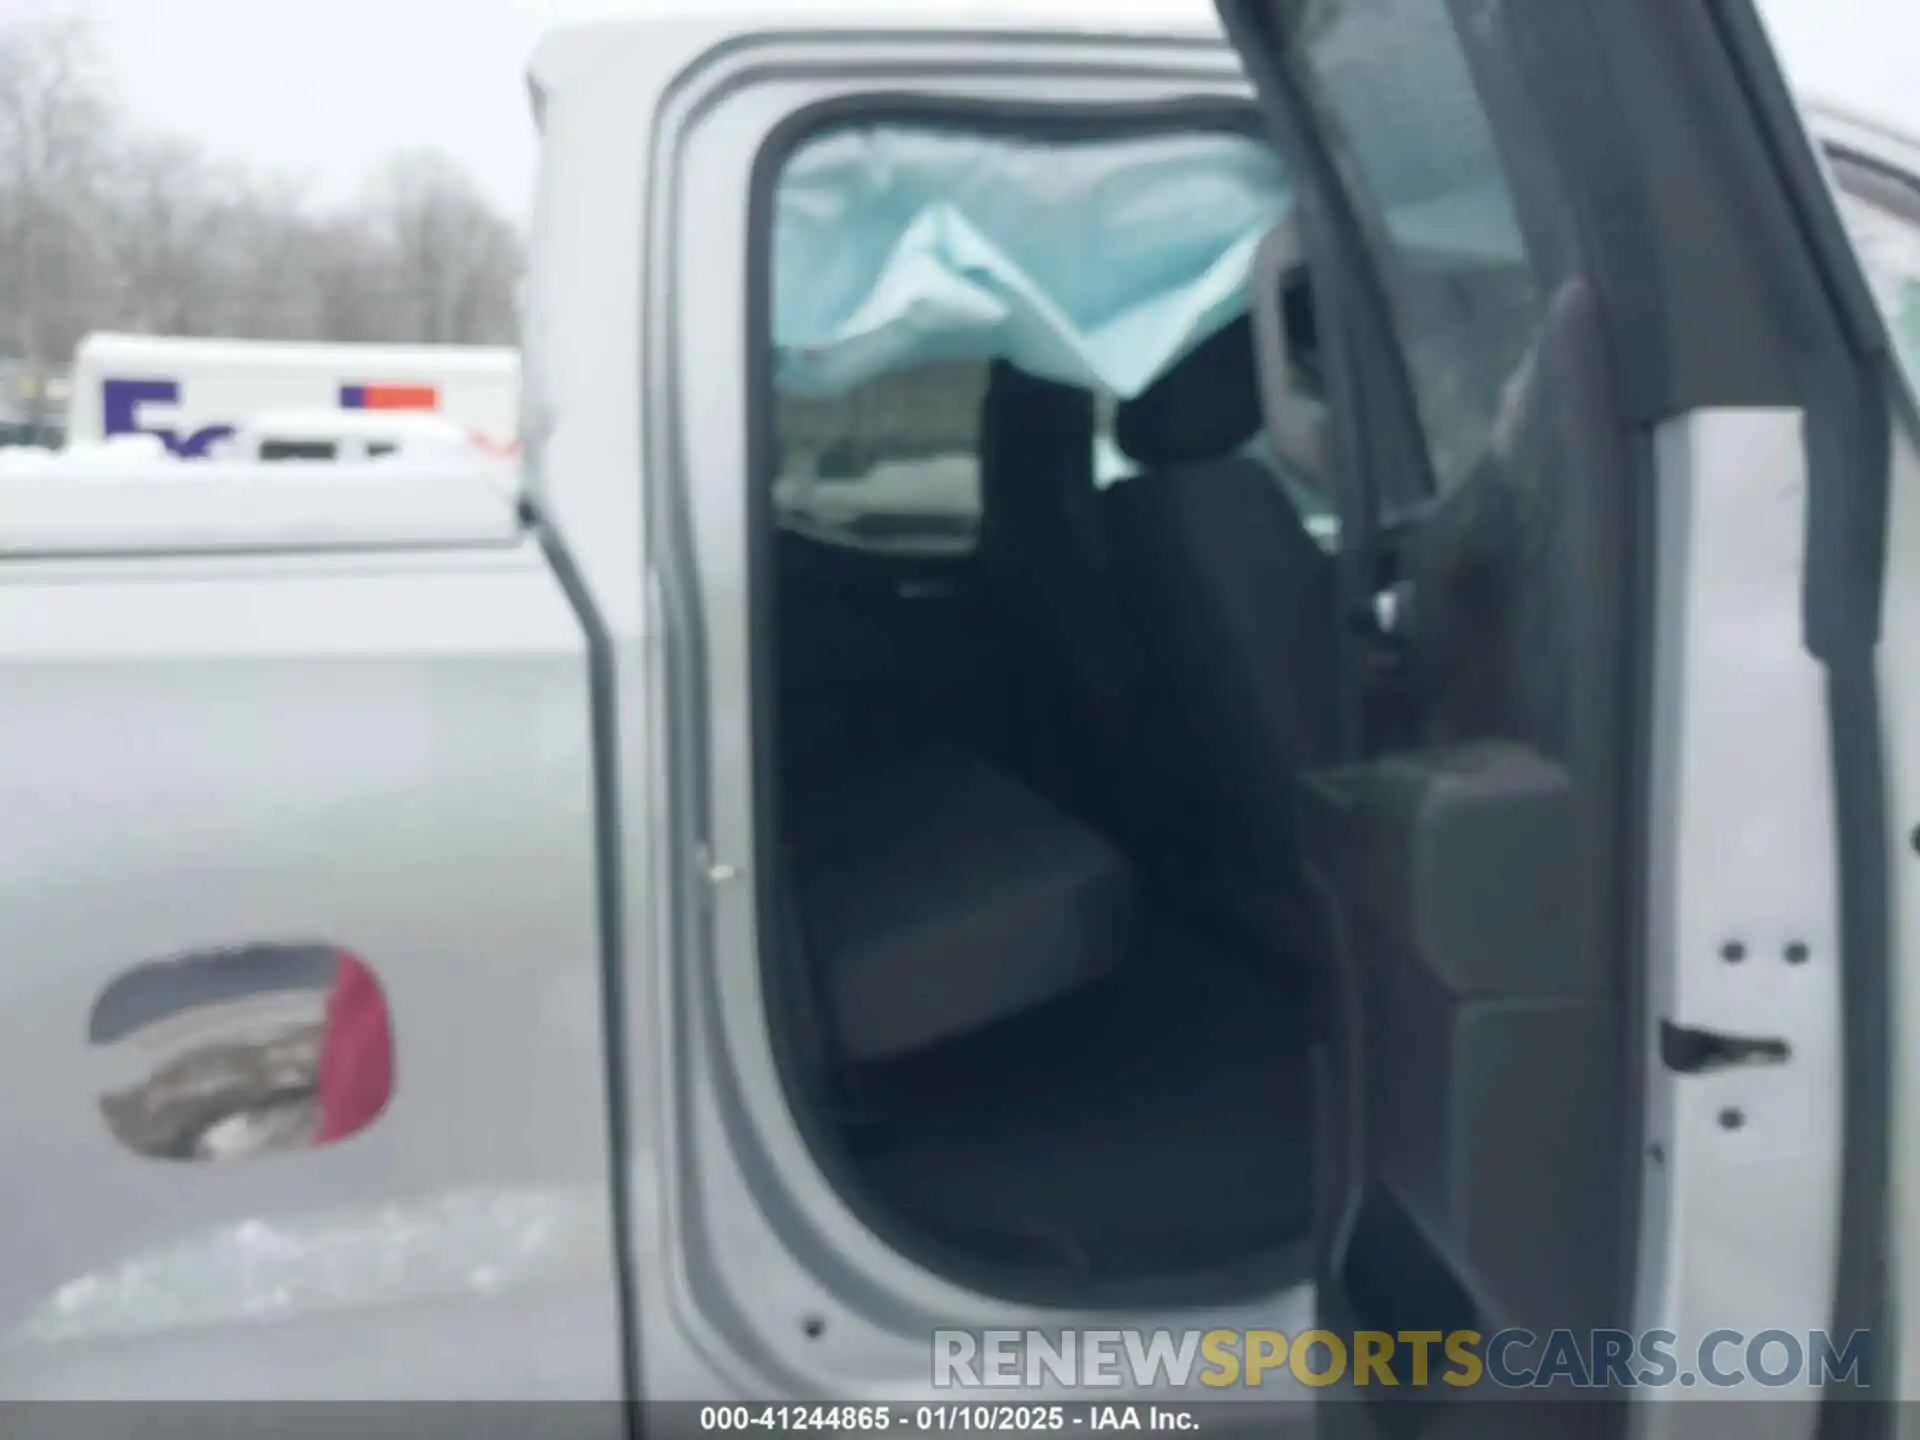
[
  {"x": 103, "y": 228},
  {"x": 268, "y": 253},
  {"x": 167, "y": 214},
  {"x": 55, "y": 130},
  {"x": 455, "y": 262},
  {"x": 354, "y": 288}
]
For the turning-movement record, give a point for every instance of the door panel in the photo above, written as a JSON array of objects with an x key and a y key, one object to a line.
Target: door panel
[
  {"x": 1489, "y": 1030},
  {"x": 1744, "y": 1160},
  {"x": 1472, "y": 854},
  {"x": 1901, "y": 671},
  {"x": 1570, "y": 224}
]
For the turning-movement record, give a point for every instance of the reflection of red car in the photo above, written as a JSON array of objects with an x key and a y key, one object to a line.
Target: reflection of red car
[{"x": 356, "y": 1054}]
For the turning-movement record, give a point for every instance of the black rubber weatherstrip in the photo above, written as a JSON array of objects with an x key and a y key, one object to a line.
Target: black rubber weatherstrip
[
  {"x": 1849, "y": 437},
  {"x": 610, "y": 894}
]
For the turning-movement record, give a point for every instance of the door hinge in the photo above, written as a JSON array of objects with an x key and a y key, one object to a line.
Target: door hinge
[{"x": 1689, "y": 1050}]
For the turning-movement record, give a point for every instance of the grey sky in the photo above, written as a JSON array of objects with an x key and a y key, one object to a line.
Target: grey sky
[{"x": 324, "y": 88}]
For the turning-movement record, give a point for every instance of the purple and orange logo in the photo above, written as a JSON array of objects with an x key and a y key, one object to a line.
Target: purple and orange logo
[
  {"x": 414, "y": 397},
  {"x": 389, "y": 397},
  {"x": 121, "y": 402},
  {"x": 124, "y": 401}
]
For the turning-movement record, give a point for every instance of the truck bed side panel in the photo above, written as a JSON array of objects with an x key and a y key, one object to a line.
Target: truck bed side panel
[{"x": 390, "y": 754}]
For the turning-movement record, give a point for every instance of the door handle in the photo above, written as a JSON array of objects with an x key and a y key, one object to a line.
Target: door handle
[{"x": 1690, "y": 1050}]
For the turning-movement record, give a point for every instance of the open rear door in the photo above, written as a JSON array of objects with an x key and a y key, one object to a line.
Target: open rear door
[{"x": 1616, "y": 426}]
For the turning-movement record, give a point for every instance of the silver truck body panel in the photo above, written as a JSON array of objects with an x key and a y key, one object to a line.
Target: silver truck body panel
[
  {"x": 389, "y": 753},
  {"x": 74, "y": 506}
]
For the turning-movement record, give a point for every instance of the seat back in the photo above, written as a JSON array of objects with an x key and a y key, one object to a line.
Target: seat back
[
  {"x": 1236, "y": 602},
  {"x": 838, "y": 677},
  {"x": 1082, "y": 667}
]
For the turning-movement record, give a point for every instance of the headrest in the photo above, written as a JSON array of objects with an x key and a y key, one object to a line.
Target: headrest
[
  {"x": 1033, "y": 412},
  {"x": 1204, "y": 408}
]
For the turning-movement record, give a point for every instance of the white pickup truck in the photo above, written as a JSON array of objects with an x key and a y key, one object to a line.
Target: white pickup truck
[{"x": 1377, "y": 791}]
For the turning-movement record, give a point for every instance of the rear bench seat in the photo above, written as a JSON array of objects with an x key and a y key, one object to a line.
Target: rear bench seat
[{"x": 935, "y": 896}]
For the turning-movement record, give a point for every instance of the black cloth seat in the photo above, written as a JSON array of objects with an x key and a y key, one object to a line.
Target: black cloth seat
[
  {"x": 1083, "y": 672},
  {"x": 935, "y": 896},
  {"x": 1236, "y": 602},
  {"x": 838, "y": 676}
]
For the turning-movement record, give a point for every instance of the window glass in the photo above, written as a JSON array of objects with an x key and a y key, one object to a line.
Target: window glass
[
  {"x": 892, "y": 465},
  {"x": 905, "y": 259},
  {"x": 1882, "y": 213},
  {"x": 1391, "y": 87},
  {"x": 297, "y": 450},
  {"x": 901, "y": 245}
]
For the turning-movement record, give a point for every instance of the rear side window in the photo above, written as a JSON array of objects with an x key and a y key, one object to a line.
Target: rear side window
[
  {"x": 1390, "y": 84},
  {"x": 891, "y": 466},
  {"x": 906, "y": 258}
]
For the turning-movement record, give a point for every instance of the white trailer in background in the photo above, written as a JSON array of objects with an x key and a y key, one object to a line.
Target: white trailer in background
[
  {"x": 344, "y": 435},
  {"x": 195, "y": 394}
]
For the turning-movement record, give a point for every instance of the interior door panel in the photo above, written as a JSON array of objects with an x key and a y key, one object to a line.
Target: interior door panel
[{"x": 1489, "y": 1032}]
